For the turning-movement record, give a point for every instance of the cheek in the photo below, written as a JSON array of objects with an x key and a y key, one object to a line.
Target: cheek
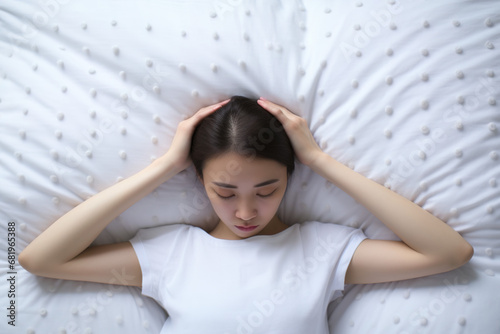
[
  {"x": 221, "y": 208},
  {"x": 269, "y": 207}
]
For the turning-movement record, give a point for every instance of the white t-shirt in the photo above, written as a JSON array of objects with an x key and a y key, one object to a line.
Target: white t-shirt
[{"x": 269, "y": 284}]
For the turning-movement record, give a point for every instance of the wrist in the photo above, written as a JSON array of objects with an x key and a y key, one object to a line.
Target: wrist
[
  {"x": 319, "y": 162},
  {"x": 165, "y": 167},
  {"x": 329, "y": 168}
]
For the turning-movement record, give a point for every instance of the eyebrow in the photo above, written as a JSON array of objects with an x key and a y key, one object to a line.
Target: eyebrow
[{"x": 265, "y": 183}]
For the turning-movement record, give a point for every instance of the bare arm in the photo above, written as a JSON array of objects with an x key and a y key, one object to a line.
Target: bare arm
[
  {"x": 57, "y": 252},
  {"x": 62, "y": 250},
  {"x": 428, "y": 245}
]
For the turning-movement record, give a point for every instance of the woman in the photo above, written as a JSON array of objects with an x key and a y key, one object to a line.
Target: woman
[{"x": 252, "y": 273}]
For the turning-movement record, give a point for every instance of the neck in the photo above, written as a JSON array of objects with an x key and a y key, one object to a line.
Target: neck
[{"x": 275, "y": 226}]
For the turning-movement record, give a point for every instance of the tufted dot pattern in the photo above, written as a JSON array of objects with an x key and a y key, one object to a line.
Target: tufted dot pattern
[{"x": 91, "y": 92}]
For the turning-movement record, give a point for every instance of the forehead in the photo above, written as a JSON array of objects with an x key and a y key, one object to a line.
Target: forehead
[{"x": 233, "y": 168}]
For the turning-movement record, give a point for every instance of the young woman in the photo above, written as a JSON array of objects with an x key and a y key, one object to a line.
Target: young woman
[{"x": 252, "y": 273}]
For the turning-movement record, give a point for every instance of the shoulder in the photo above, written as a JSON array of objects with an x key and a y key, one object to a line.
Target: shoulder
[
  {"x": 331, "y": 233},
  {"x": 166, "y": 239},
  {"x": 325, "y": 227},
  {"x": 163, "y": 231}
]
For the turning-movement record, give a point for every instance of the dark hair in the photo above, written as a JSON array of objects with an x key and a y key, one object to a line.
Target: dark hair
[{"x": 244, "y": 127}]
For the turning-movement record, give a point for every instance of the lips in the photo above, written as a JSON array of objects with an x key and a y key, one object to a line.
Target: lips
[{"x": 247, "y": 228}]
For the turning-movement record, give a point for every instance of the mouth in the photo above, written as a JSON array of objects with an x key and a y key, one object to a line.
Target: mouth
[{"x": 246, "y": 228}]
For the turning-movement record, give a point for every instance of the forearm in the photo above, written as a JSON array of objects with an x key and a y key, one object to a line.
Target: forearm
[
  {"x": 416, "y": 227},
  {"x": 76, "y": 230}
]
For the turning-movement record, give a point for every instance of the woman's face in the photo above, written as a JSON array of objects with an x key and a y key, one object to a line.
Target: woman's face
[{"x": 245, "y": 193}]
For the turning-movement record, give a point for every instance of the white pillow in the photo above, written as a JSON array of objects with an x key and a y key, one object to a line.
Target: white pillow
[{"x": 405, "y": 93}]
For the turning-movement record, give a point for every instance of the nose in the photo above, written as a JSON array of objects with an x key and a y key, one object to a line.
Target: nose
[{"x": 246, "y": 211}]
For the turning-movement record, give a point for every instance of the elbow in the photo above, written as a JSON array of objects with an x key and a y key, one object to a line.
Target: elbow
[
  {"x": 25, "y": 261},
  {"x": 452, "y": 258},
  {"x": 29, "y": 263},
  {"x": 468, "y": 252},
  {"x": 462, "y": 255}
]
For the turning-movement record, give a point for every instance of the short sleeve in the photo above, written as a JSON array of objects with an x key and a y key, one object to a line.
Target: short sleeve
[
  {"x": 355, "y": 237},
  {"x": 153, "y": 247},
  {"x": 340, "y": 242}
]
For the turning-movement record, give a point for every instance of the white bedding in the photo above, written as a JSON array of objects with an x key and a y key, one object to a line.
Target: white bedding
[{"x": 406, "y": 93}]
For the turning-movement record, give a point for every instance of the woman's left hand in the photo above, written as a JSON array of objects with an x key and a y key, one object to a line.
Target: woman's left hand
[{"x": 304, "y": 145}]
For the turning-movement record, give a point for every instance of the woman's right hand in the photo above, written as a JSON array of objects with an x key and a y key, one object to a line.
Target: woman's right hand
[
  {"x": 62, "y": 250},
  {"x": 178, "y": 152}
]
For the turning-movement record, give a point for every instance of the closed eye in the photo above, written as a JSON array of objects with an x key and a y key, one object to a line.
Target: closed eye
[
  {"x": 268, "y": 195},
  {"x": 260, "y": 195},
  {"x": 224, "y": 197}
]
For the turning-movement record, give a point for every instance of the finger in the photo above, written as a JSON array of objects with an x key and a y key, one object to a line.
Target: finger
[
  {"x": 276, "y": 107},
  {"x": 219, "y": 104},
  {"x": 281, "y": 113},
  {"x": 216, "y": 106},
  {"x": 269, "y": 106},
  {"x": 204, "y": 112},
  {"x": 212, "y": 107}
]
